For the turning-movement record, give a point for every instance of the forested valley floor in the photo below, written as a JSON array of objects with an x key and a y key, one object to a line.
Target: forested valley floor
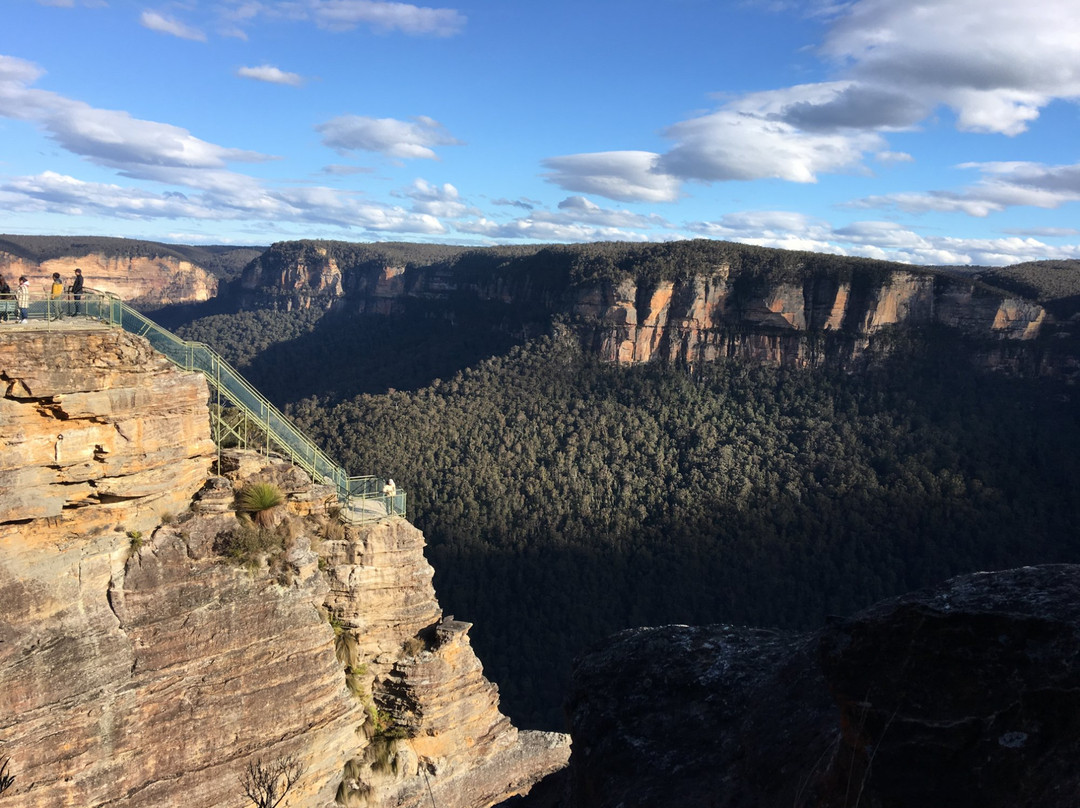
[{"x": 564, "y": 499}]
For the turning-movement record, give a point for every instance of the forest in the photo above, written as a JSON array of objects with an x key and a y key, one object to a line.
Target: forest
[{"x": 564, "y": 499}]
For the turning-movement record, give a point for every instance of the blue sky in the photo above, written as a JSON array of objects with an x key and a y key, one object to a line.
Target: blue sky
[{"x": 942, "y": 132}]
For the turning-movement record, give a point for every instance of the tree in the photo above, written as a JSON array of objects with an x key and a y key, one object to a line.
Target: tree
[{"x": 267, "y": 784}]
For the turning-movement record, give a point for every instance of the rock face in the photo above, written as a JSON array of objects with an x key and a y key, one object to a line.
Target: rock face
[
  {"x": 98, "y": 430},
  {"x": 707, "y": 317},
  {"x": 137, "y": 279},
  {"x": 138, "y": 667},
  {"x": 803, "y": 317},
  {"x": 962, "y": 695}
]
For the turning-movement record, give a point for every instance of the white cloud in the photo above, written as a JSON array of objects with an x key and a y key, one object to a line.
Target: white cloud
[
  {"x": 737, "y": 144},
  {"x": 55, "y": 193},
  {"x": 626, "y": 176},
  {"x": 893, "y": 157},
  {"x": 112, "y": 138},
  {"x": 888, "y": 241},
  {"x": 1043, "y": 232},
  {"x": 577, "y": 219},
  {"x": 271, "y": 75},
  {"x": 524, "y": 204},
  {"x": 996, "y": 62},
  {"x": 746, "y": 139},
  {"x": 442, "y": 201},
  {"x": 835, "y": 105},
  {"x": 529, "y": 229},
  {"x": 73, "y": 3},
  {"x": 346, "y": 15},
  {"x": 394, "y": 138},
  {"x": 15, "y": 73},
  {"x": 339, "y": 170},
  {"x": 770, "y": 228},
  {"x": 343, "y": 15},
  {"x": 162, "y": 153},
  {"x": 581, "y": 209},
  {"x": 1003, "y": 185},
  {"x": 169, "y": 25}
]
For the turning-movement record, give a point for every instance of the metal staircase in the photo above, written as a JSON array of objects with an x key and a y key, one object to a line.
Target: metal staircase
[{"x": 241, "y": 416}]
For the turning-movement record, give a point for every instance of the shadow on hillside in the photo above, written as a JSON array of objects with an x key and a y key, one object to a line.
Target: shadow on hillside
[
  {"x": 345, "y": 356},
  {"x": 175, "y": 315}
]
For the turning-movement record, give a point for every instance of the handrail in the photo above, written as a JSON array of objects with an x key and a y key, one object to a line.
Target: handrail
[{"x": 363, "y": 498}]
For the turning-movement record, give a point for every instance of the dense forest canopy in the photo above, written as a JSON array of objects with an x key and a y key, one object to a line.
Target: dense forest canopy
[
  {"x": 564, "y": 499},
  {"x": 311, "y": 352},
  {"x": 1055, "y": 284}
]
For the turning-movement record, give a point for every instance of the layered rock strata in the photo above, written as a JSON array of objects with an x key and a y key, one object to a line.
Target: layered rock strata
[
  {"x": 712, "y": 312},
  {"x": 707, "y": 318},
  {"x": 962, "y": 695},
  {"x": 98, "y": 430},
  {"x": 161, "y": 279},
  {"x": 441, "y": 735},
  {"x": 140, "y": 667}
]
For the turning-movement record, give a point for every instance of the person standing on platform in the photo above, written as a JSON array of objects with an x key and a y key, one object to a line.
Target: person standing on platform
[
  {"x": 76, "y": 290},
  {"x": 6, "y": 299},
  {"x": 56, "y": 292},
  {"x": 22, "y": 299}
]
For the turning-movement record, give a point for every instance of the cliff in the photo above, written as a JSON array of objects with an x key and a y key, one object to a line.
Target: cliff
[
  {"x": 691, "y": 302},
  {"x": 159, "y": 279},
  {"x": 964, "y": 695},
  {"x": 141, "y": 667}
]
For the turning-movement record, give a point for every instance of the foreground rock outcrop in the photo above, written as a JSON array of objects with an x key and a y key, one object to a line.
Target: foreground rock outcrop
[
  {"x": 967, "y": 694},
  {"x": 141, "y": 667}
]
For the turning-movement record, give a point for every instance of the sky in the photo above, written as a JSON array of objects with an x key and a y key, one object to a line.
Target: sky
[{"x": 931, "y": 132}]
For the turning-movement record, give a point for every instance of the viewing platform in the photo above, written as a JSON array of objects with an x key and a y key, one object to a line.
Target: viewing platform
[{"x": 240, "y": 415}]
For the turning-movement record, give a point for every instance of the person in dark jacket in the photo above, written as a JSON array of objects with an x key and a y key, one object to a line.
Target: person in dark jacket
[
  {"x": 7, "y": 299},
  {"x": 76, "y": 290}
]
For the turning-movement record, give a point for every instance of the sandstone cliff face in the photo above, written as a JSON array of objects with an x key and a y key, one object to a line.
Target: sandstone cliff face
[
  {"x": 710, "y": 314},
  {"x": 139, "y": 668},
  {"x": 961, "y": 695},
  {"x": 707, "y": 318},
  {"x": 98, "y": 429},
  {"x": 161, "y": 279}
]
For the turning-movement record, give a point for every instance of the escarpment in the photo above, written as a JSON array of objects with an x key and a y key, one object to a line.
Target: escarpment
[
  {"x": 700, "y": 302},
  {"x": 155, "y": 643},
  {"x": 157, "y": 280}
]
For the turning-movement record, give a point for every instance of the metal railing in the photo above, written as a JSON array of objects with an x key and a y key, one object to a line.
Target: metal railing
[
  {"x": 240, "y": 414},
  {"x": 44, "y": 307}
]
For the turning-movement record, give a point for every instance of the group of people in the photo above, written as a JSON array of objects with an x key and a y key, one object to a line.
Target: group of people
[{"x": 54, "y": 297}]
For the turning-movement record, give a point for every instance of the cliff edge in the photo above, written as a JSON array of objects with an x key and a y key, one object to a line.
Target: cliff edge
[
  {"x": 686, "y": 302},
  {"x": 139, "y": 662}
]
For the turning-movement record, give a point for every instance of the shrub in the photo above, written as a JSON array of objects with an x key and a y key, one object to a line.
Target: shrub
[
  {"x": 260, "y": 500},
  {"x": 333, "y": 530},
  {"x": 135, "y": 541},
  {"x": 353, "y": 792},
  {"x": 247, "y": 541}
]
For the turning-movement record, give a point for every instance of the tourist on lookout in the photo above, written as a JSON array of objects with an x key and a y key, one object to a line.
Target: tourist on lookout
[
  {"x": 22, "y": 299},
  {"x": 76, "y": 290}
]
